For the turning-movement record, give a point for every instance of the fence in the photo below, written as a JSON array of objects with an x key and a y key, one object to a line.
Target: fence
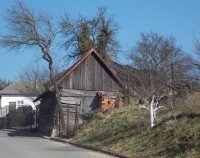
[
  {"x": 19, "y": 119},
  {"x": 3, "y": 123}
]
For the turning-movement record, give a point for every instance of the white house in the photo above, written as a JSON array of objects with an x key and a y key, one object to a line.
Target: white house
[{"x": 11, "y": 98}]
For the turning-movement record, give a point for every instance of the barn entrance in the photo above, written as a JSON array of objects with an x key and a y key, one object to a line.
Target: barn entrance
[
  {"x": 71, "y": 105},
  {"x": 76, "y": 102}
]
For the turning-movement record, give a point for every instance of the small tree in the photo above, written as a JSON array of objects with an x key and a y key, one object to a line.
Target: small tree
[{"x": 27, "y": 29}]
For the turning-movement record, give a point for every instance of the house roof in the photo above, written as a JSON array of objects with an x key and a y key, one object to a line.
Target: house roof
[
  {"x": 75, "y": 65},
  {"x": 11, "y": 89}
]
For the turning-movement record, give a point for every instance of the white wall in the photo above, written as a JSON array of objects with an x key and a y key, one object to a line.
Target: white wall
[{"x": 5, "y": 99}]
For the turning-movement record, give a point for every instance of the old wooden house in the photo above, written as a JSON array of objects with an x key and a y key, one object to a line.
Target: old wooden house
[{"x": 89, "y": 84}]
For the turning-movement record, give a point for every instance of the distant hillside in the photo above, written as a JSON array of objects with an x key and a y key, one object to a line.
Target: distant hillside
[{"x": 126, "y": 131}]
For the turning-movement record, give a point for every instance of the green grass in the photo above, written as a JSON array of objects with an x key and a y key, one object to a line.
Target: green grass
[{"x": 126, "y": 131}]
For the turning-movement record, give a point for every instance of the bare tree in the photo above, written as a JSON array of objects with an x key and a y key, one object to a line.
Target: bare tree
[
  {"x": 4, "y": 83},
  {"x": 196, "y": 61},
  {"x": 160, "y": 68},
  {"x": 27, "y": 29},
  {"x": 153, "y": 58},
  {"x": 34, "y": 80}
]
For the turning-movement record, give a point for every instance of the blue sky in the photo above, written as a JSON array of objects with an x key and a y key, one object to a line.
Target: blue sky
[{"x": 180, "y": 18}]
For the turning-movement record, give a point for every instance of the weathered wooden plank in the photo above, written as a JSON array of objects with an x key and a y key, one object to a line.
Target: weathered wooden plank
[
  {"x": 83, "y": 92},
  {"x": 70, "y": 102},
  {"x": 76, "y": 91},
  {"x": 77, "y": 95},
  {"x": 69, "y": 105},
  {"x": 71, "y": 99},
  {"x": 70, "y": 80},
  {"x": 70, "y": 109},
  {"x": 91, "y": 74}
]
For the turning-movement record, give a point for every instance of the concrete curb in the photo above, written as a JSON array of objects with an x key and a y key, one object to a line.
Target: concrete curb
[{"x": 86, "y": 147}]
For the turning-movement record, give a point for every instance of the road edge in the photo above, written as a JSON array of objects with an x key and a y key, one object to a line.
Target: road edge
[
  {"x": 62, "y": 140},
  {"x": 86, "y": 147}
]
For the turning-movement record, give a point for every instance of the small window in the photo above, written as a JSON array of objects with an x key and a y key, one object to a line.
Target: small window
[{"x": 20, "y": 103}]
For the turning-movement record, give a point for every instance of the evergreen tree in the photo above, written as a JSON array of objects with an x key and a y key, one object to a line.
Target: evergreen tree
[
  {"x": 84, "y": 43},
  {"x": 98, "y": 32}
]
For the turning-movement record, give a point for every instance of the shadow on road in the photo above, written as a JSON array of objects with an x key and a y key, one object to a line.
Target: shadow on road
[{"x": 16, "y": 133}]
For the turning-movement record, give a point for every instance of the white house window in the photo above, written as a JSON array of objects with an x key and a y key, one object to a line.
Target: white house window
[{"x": 20, "y": 103}]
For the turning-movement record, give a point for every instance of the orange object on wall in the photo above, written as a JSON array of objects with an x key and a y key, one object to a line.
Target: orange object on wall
[{"x": 110, "y": 102}]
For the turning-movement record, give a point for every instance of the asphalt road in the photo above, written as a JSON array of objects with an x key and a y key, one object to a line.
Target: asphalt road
[{"x": 14, "y": 144}]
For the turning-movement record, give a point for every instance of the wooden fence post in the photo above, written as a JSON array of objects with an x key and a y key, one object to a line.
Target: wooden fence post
[
  {"x": 76, "y": 117},
  {"x": 67, "y": 120}
]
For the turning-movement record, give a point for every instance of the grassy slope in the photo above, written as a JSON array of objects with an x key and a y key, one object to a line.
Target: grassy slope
[{"x": 126, "y": 131}]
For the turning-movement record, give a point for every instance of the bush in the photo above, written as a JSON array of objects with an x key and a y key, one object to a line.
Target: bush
[{"x": 87, "y": 117}]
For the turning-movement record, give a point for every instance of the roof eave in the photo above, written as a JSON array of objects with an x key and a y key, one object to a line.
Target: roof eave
[{"x": 42, "y": 95}]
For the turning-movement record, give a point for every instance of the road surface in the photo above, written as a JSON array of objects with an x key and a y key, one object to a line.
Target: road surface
[{"x": 14, "y": 144}]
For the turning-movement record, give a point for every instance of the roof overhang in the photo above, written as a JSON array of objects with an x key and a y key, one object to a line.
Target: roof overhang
[{"x": 44, "y": 94}]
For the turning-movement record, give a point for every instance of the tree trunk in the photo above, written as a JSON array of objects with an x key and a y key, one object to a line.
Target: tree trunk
[
  {"x": 58, "y": 99},
  {"x": 152, "y": 112}
]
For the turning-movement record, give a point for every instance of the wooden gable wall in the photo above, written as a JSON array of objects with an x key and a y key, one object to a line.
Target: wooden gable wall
[{"x": 92, "y": 75}]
